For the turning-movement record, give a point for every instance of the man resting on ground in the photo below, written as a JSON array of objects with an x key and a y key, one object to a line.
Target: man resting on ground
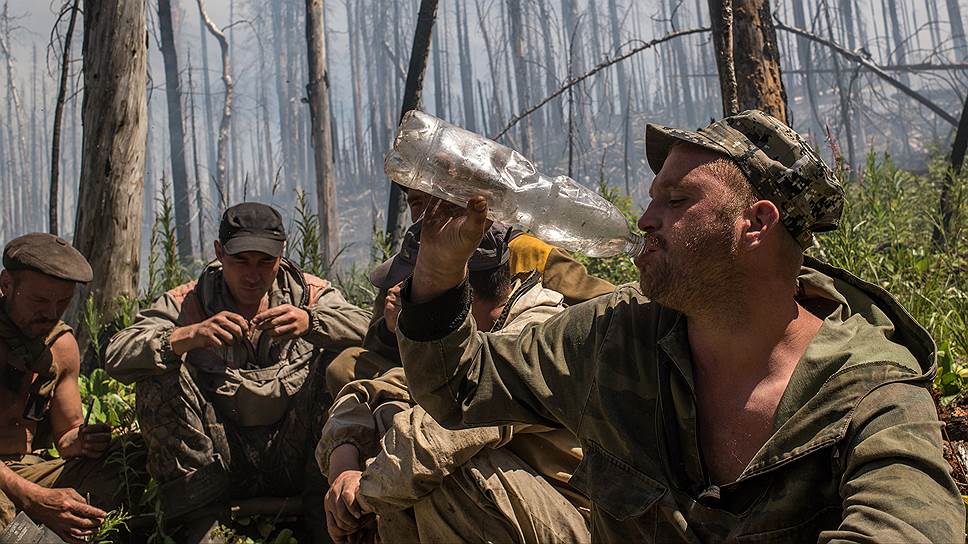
[
  {"x": 429, "y": 484},
  {"x": 40, "y": 403},
  {"x": 229, "y": 369},
  {"x": 741, "y": 392}
]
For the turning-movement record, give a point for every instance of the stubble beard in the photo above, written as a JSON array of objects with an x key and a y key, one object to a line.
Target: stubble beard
[{"x": 698, "y": 276}]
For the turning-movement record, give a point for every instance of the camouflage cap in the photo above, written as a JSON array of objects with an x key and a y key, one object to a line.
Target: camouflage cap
[
  {"x": 47, "y": 254},
  {"x": 778, "y": 162}
]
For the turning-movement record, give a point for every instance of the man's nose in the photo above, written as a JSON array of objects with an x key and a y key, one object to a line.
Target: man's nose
[{"x": 649, "y": 221}]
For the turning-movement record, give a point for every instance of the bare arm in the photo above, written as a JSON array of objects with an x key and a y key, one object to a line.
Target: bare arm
[{"x": 71, "y": 436}]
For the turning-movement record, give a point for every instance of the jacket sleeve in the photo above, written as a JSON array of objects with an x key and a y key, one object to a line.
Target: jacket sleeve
[
  {"x": 144, "y": 349},
  {"x": 355, "y": 417},
  {"x": 417, "y": 454},
  {"x": 334, "y": 323},
  {"x": 570, "y": 278},
  {"x": 896, "y": 485},
  {"x": 379, "y": 339},
  {"x": 464, "y": 377}
]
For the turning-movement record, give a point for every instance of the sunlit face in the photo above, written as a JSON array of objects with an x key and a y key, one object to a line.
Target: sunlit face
[
  {"x": 417, "y": 201},
  {"x": 690, "y": 257},
  {"x": 249, "y": 274},
  {"x": 35, "y": 301}
]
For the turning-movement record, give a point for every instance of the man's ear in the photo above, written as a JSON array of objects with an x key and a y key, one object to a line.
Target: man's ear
[
  {"x": 219, "y": 252},
  {"x": 762, "y": 219},
  {"x": 6, "y": 282}
]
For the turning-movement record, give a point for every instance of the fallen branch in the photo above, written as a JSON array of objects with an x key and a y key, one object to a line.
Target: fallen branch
[
  {"x": 860, "y": 59},
  {"x": 598, "y": 68}
]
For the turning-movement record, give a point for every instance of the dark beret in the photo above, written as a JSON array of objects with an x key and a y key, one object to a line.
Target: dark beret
[{"x": 47, "y": 254}]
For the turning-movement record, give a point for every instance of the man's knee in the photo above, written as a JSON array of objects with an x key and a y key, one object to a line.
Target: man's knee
[{"x": 342, "y": 369}]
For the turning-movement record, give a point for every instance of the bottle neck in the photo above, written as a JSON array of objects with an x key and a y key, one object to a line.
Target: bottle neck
[{"x": 634, "y": 245}]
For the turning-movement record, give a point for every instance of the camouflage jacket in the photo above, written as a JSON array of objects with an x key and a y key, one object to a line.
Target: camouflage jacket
[
  {"x": 855, "y": 455},
  {"x": 252, "y": 380},
  {"x": 411, "y": 455}
]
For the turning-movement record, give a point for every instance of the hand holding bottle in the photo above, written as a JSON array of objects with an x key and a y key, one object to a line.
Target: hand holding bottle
[{"x": 448, "y": 238}]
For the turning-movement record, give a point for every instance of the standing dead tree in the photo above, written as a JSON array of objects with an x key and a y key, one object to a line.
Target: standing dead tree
[
  {"x": 110, "y": 196},
  {"x": 322, "y": 134},
  {"x": 176, "y": 132},
  {"x": 223, "y": 128},
  {"x": 55, "y": 144},
  {"x": 757, "y": 66},
  {"x": 396, "y": 208}
]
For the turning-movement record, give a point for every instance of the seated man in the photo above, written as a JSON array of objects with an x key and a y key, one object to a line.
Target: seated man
[
  {"x": 559, "y": 272},
  {"x": 229, "y": 369},
  {"x": 429, "y": 484},
  {"x": 40, "y": 402},
  {"x": 741, "y": 392}
]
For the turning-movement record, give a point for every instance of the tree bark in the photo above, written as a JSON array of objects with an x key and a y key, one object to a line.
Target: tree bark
[
  {"x": 516, "y": 28},
  {"x": 110, "y": 199},
  {"x": 957, "y": 30},
  {"x": 210, "y": 131},
  {"x": 466, "y": 69},
  {"x": 176, "y": 133},
  {"x": 199, "y": 191},
  {"x": 322, "y": 136},
  {"x": 352, "y": 21},
  {"x": 948, "y": 204},
  {"x": 223, "y": 129},
  {"x": 54, "y": 196},
  {"x": 756, "y": 58},
  {"x": 397, "y": 206}
]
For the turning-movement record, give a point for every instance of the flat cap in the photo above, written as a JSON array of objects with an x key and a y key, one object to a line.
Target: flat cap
[
  {"x": 780, "y": 165},
  {"x": 47, "y": 254}
]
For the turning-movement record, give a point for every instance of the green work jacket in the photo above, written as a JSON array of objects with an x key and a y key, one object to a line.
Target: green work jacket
[{"x": 855, "y": 454}]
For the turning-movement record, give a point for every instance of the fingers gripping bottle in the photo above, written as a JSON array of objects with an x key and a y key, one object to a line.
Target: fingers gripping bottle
[{"x": 454, "y": 164}]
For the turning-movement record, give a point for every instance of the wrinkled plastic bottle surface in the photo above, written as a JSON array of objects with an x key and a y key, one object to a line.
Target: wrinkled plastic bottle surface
[{"x": 454, "y": 164}]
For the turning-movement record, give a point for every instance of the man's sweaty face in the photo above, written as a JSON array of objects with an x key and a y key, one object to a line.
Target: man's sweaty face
[
  {"x": 249, "y": 275},
  {"x": 35, "y": 301},
  {"x": 692, "y": 243}
]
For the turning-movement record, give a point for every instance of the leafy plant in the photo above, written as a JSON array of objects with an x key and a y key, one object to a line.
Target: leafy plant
[
  {"x": 307, "y": 238},
  {"x": 618, "y": 269}
]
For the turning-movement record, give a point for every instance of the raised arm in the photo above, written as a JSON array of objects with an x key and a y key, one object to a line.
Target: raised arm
[{"x": 463, "y": 377}]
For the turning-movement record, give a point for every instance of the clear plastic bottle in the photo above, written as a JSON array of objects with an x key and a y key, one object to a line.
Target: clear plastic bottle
[{"x": 454, "y": 164}]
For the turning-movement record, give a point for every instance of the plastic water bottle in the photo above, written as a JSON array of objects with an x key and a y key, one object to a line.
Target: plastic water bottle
[{"x": 454, "y": 164}]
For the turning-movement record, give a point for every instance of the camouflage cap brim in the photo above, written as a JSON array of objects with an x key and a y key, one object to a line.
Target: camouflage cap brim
[{"x": 659, "y": 140}]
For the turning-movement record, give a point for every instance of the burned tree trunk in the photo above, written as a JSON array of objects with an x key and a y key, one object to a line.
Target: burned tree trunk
[
  {"x": 396, "y": 208},
  {"x": 55, "y": 146},
  {"x": 223, "y": 129},
  {"x": 755, "y": 58},
  {"x": 322, "y": 136},
  {"x": 516, "y": 27},
  {"x": 176, "y": 132},
  {"x": 110, "y": 197},
  {"x": 957, "y": 30}
]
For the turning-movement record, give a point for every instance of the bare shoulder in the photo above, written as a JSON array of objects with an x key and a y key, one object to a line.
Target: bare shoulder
[{"x": 66, "y": 353}]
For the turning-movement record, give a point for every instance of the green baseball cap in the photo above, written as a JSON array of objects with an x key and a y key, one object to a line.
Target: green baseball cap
[{"x": 778, "y": 162}]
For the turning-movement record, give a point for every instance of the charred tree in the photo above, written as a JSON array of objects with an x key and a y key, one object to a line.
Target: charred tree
[
  {"x": 223, "y": 129},
  {"x": 108, "y": 226},
  {"x": 396, "y": 208},
  {"x": 957, "y": 30},
  {"x": 516, "y": 28},
  {"x": 322, "y": 135},
  {"x": 755, "y": 59},
  {"x": 55, "y": 146},
  {"x": 176, "y": 132}
]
